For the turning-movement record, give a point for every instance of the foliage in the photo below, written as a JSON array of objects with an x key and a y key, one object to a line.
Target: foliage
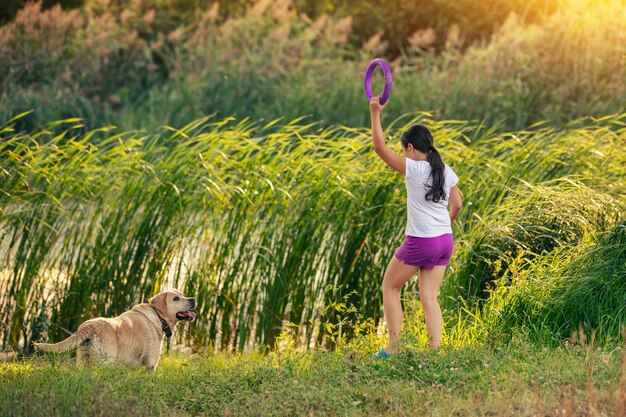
[
  {"x": 292, "y": 223},
  {"x": 400, "y": 19},
  {"x": 145, "y": 64}
]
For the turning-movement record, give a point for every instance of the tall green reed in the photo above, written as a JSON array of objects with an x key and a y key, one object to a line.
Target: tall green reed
[
  {"x": 270, "y": 224},
  {"x": 567, "y": 293}
]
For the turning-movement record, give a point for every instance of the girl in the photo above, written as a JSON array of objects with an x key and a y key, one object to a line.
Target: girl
[{"x": 430, "y": 185}]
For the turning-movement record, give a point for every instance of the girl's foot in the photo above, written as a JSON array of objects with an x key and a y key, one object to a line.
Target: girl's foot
[
  {"x": 432, "y": 344},
  {"x": 382, "y": 354}
]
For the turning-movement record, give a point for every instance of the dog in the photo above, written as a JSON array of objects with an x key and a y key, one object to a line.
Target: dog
[{"x": 133, "y": 338}]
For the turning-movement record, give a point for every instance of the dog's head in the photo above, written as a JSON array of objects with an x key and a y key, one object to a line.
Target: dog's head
[{"x": 173, "y": 306}]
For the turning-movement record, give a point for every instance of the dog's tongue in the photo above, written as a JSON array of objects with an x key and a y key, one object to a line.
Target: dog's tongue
[{"x": 186, "y": 315}]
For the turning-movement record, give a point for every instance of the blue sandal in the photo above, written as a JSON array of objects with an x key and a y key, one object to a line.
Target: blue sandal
[{"x": 381, "y": 354}]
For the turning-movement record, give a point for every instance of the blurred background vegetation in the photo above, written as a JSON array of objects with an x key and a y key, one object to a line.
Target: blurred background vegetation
[{"x": 142, "y": 64}]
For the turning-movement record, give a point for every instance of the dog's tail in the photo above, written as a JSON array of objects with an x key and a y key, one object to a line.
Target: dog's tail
[{"x": 70, "y": 343}]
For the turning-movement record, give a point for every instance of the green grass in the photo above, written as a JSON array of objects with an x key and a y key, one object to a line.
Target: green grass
[
  {"x": 570, "y": 285},
  {"x": 505, "y": 380}
]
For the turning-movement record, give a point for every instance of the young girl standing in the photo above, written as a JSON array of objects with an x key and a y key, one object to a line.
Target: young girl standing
[{"x": 431, "y": 186}]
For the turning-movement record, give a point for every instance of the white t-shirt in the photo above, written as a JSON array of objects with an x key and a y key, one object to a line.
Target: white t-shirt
[{"x": 426, "y": 218}]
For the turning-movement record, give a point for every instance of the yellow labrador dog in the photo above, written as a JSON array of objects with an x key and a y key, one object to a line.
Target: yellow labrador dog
[{"x": 135, "y": 337}]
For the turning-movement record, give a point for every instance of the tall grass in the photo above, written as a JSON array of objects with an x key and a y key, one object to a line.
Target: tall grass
[
  {"x": 293, "y": 222},
  {"x": 572, "y": 291}
]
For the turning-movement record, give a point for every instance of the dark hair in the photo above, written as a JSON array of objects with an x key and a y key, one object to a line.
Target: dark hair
[{"x": 422, "y": 140}]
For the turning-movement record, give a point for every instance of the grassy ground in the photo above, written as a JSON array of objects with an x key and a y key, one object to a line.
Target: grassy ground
[{"x": 516, "y": 379}]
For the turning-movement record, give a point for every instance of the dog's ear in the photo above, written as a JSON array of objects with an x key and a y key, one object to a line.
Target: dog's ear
[{"x": 158, "y": 302}]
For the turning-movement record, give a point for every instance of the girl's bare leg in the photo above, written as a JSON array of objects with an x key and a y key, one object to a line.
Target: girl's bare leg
[
  {"x": 397, "y": 274},
  {"x": 429, "y": 282}
]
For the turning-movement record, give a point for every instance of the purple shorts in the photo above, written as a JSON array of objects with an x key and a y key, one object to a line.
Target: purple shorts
[{"x": 426, "y": 252}]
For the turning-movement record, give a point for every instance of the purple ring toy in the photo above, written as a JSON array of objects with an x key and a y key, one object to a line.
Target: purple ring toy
[{"x": 369, "y": 72}]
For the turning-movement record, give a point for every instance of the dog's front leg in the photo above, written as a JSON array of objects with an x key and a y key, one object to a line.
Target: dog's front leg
[
  {"x": 152, "y": 360},
  {"x": 153, "y": 366}
]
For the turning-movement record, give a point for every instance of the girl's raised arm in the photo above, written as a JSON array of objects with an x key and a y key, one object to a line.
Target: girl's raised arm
[{"x": 391, "y": 158}]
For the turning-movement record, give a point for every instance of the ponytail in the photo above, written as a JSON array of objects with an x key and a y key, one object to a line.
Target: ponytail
[
  {"x": 436, "y": 192},
  {"x": 422, "y": 140}
]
